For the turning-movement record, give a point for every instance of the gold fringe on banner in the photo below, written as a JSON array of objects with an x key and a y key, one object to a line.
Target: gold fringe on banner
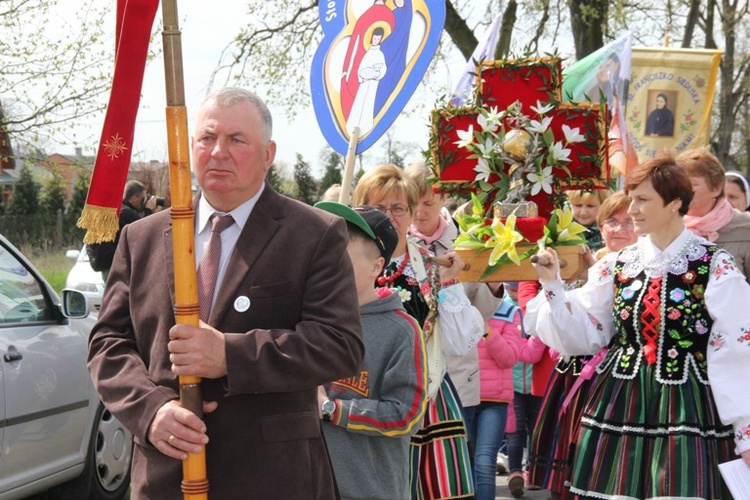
[{"x": 101, "y": 223}]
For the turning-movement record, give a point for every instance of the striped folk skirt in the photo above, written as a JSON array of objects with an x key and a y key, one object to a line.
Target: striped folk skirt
[
  {"x": 556, "y": 431},
  {"x": 440, "y": 463},
  {"x": 640, "y": 439}
]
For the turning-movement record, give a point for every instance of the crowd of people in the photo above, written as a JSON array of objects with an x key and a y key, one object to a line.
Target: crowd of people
[{"x": 341, "y": 356}]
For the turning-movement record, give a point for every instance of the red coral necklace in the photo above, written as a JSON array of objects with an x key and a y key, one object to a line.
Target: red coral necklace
[{"x": 389, "y": 279}]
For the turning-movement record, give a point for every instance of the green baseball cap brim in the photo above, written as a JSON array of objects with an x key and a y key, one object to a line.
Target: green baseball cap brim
[{"x": 346, "y": 213}]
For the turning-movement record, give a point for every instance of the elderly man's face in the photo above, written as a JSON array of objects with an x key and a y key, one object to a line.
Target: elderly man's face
[{"x": 231, "y": 153}]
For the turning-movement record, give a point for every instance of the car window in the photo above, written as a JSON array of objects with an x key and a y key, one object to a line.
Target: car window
[{"x": 21, "y": 296}]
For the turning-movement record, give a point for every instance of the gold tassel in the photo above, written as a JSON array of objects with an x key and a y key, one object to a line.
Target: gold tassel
[{"x": 101, "y": 223}]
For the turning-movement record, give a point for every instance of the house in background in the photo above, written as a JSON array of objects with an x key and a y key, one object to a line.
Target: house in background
[
  {"x": 70, "y": 168},
  {"x": 154, "y": 174}
]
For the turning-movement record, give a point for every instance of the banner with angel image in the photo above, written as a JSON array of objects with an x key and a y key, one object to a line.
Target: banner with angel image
[{"x": 371, "y": 59}]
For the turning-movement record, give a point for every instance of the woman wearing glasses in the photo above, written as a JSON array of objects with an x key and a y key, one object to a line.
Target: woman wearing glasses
[
  {"x": 615, "y": 224},
  {"x": 440, "y": 458},
  {"x": 556, "y": 430},
  {"x": 665, "y": 407}
]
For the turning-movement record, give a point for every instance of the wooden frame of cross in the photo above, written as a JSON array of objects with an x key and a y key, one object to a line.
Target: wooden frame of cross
[{"x": 529, "y": 81}]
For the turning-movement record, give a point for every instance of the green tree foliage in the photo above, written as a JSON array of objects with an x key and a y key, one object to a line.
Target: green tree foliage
[
  {"x": 53, "y": 195},
  {"x": 281, "y": 37},
  {"x": 274, "y": 179},
  {"x": 25, "y": 200},
  {"x": 333, "y": 166},
  {"x": 80, "y": 192},
  {"x": 307, "y": 186}
]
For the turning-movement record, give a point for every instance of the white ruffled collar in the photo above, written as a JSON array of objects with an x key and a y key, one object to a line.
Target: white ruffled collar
[{"x": 644, "y": 255}]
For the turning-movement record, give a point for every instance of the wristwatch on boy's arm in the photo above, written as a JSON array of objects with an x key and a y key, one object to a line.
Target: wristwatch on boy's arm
[{"x": 328, "y": 408}]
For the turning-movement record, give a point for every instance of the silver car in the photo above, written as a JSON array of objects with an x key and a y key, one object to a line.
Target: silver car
[
  {"x": 55, "y": 433},
  {"x": 81, "y": 277}
]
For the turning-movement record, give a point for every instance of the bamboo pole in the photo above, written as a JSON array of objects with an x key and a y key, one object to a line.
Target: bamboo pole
[{"x": 187, "y": 311}]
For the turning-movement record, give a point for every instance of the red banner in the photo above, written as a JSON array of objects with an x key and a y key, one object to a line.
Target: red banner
[{"x": 135, "y": 19}]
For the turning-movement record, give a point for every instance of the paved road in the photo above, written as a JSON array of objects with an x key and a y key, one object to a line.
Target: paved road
[{"x": 502, "y": 492}]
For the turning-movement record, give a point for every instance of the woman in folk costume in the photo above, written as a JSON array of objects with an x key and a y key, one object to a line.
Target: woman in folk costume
[
  {"x": 440, "y": 458},
  {"x": 665, "y": 407},
  {"x": 433, "y": 228},
  {"x": 556, "y": 431}
]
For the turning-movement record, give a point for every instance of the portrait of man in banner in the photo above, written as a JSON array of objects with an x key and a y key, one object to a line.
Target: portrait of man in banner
[{"x": 660, "y": 122}]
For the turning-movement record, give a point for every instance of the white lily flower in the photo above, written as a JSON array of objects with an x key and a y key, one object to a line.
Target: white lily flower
[
  {"x": 542, "y": 181},
  {"x": 572, "y": 135},
  {"x": 483, "y": 170},
  {"x": 493, "y": 115},
  {"x": 560, "y": 152},
  {"x": 539, "y": 127},
  {"x": 487, "y": 123},
  {"x": 486, "y": 148},
  {"x": 542, "y": 109},
  {"x": 465, "y": 137}
]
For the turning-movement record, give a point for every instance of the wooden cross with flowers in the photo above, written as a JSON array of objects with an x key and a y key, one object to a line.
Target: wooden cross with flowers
[{"x": 517, "y": 143}]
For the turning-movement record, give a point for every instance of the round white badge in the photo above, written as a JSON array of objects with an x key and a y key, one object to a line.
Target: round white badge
[{"x": 241, "y": 304}]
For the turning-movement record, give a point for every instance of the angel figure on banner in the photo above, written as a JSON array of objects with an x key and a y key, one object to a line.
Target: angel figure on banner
[
  {"x": 371, "y": 70},
  {"x": 377, "y": 15},
  {"x": 411, "y": 34}
]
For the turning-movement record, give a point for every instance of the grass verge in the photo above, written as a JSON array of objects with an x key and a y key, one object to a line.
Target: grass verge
[{"x": 53, "y": 265}]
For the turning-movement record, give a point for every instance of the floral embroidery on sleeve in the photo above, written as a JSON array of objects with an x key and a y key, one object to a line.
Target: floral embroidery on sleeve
[
  {"x": 743, "y": 433},
  {"x": 744, "y": 337},
  {"x": 717, "y": 341},
  {"x": 596, "y": 323},
  {"x": 724, "y": 266},
  {"x": 453, "y": 300}
]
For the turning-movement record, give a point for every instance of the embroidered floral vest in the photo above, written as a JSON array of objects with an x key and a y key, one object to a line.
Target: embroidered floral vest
[{"x": 684, "y": 324}]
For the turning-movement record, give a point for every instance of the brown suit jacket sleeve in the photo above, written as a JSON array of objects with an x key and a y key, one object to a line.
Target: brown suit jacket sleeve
[{"x": 302, "y": 328}]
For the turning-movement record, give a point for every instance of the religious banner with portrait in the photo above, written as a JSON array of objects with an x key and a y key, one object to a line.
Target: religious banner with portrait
[
  {"x": 670, "y": 99},
  {"x": 371, "y": 59}
]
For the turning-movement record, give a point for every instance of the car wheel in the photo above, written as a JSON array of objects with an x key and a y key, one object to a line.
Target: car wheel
[{"x": 106, "y": 475}]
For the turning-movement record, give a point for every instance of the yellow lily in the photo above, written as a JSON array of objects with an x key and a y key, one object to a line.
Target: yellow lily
[
  {"x": 567, "y": 228},
  {"x": 503, "y": 240}
]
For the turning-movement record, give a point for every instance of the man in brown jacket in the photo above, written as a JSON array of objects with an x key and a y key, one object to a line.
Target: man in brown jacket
[{"x": 284, "y": 320}]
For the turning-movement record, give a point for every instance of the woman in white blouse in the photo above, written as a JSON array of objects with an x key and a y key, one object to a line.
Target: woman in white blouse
[{"x": 668, "y": 403}]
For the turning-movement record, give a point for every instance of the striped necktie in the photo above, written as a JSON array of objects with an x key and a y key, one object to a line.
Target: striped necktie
[{"x": 208, "y": 270}]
